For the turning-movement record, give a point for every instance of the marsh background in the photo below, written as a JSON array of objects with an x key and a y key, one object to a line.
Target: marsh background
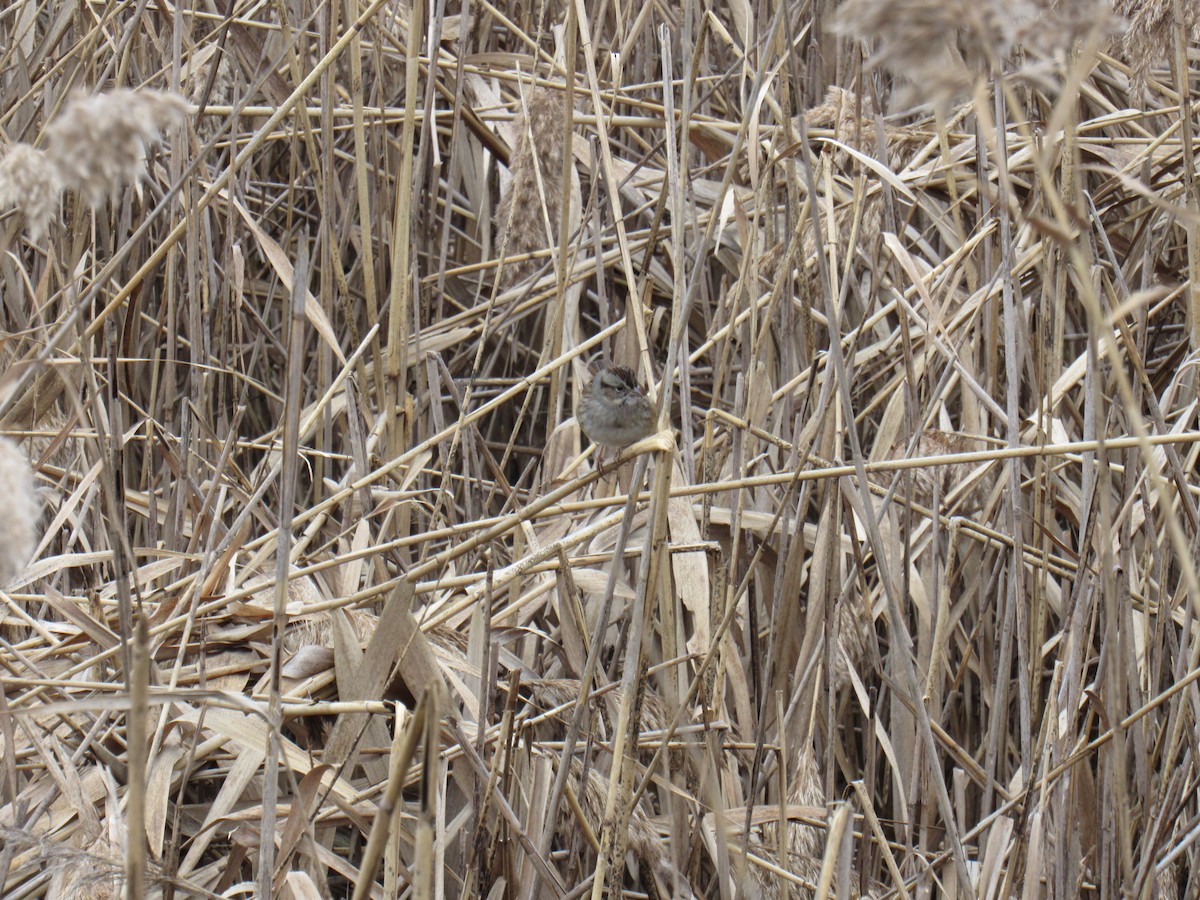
[{"x": 901, "y": 599}]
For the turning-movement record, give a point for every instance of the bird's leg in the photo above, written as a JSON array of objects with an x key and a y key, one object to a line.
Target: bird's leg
[{"x": 600, "y": 460}]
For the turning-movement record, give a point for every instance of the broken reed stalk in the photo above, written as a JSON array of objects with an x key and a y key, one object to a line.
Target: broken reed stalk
[{"x": 287, "y": 500}]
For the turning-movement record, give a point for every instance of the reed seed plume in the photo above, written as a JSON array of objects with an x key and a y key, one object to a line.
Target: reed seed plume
[
  {"x": 642, "y": 837},
  {"x": 95, "y": 147},
  {"x": 852, "y": 119},
  {"x": 30, "y": 181},
  {"x": 19, "y": 524},
  {"x": 534, "y": 195},
  {"x": 849, "y": 116},
  {"x": 200, "y": 84},
  {"x": 98, "y": 144},
  {"x": 941, "y": 482},
  {"x": 95, "y": 873},
  {"x": 1150, "y": 35},
  {"x": 942, "y": 48},
  {"x": 198, "y": 74}
]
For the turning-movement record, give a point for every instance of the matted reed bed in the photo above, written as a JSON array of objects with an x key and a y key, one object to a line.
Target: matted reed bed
[{"x": 313, "y": 586}]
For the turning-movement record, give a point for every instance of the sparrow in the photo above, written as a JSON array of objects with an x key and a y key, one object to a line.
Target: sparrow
[{"x": 615, "y": 410}]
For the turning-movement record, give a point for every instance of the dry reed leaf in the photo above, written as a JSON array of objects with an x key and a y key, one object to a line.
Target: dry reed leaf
[
  {"x": 145, "y": 577},
  {"x": 245, "y": 768},
  {"x": 94, "y": 629},
  {"x": 159, "y": 792},
  {"x": 537, "y": 789},
  {"x": 352, "y": 569},
  {"x": 248, "y": 732},
  {"x": 299, "y": 820},
  {"x": 993, "y": 864},
  {"x": 690, "y": 569},
  {"x": 69, "y": 507},
  {"x": 355, "y": 682},
  {"x": 595, "y": 581},
  {"x": 572, "y": 623},
  {"x": 1035, "y": 871},
  {"x": 283, "y": 268},
  {"x": 899, "y": 776},
  {"x": 80, "y": 790},
  {"x": 300, "y": 886},
  {"x": 869, "y": 162},
  {"x": 242, "y": 660},
  {"x": 563, "y": 446},
  {"x": 742, "y": 15},
  {"x": 398, "y": 660},
  {"x": 305, "y": 663}
]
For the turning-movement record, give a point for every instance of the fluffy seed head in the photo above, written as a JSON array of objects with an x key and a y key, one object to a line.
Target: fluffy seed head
[
  {"x": 944, "y": 481},
  {"x": 536, "y": 165},
  {"x": 30, "y": 180},
  {"x": 643, "y": 838},
  {"x": 94, "y": 873},
  {"x": 18, "y": 525},
  {"x": 196, "y": 77},
  {"x": 99, "y": 142},
  {"x": 1151, "y": 34},
  {"x": 942, "y": 47}
]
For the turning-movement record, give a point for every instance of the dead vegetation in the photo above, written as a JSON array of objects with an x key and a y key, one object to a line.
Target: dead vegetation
[{"x": 298, "y": 299}]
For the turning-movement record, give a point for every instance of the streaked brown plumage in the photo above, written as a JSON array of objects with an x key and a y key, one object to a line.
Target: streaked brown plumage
[{"x": 615, "y": 410}]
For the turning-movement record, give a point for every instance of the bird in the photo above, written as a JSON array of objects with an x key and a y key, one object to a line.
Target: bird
[{"x": 615, "y": 410}]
